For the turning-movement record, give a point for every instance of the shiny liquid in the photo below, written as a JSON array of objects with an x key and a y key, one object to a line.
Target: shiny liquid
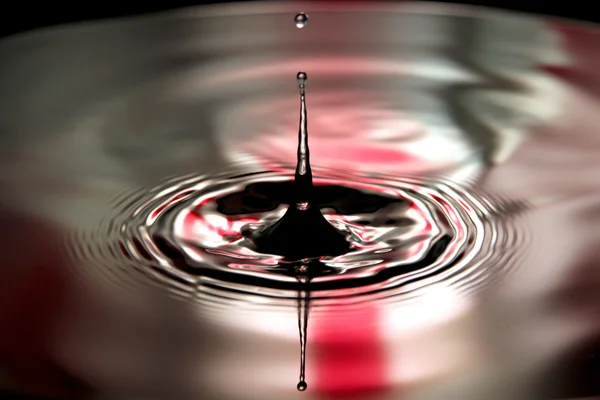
[
  {"x": 455, "y": 154},
  {"x": 301, "y": 20},
  {"x": 372, "y": 234}
]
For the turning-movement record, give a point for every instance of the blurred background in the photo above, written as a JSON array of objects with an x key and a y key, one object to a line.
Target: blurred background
[
  {"x": 22, "y": 17},
  {"x": 580, "y": 369}
]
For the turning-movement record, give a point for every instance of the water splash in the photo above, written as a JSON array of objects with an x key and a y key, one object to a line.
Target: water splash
[
  {"x": 340, "y": 234},
  {"x": 302, "y": 232},
  {"x": 406, "y": 235}
]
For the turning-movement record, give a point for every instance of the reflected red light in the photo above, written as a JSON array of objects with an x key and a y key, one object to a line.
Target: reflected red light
[
  {"x": 34, "y": 291},
  {"x": 168, "y": 203},
  {"x": 580, "y": 43},
  {"x": 348, "y": 353},
  {"x": 335, "y": 154},
  {"x": 195, "y": 221},
  {"x": 364, "y": 154}
]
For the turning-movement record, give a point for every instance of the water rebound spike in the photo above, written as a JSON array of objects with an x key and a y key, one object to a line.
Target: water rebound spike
[{"x": 303, "y": 232}]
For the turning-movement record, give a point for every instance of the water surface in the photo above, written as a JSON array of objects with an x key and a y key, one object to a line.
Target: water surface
[{"x": 480, "y": 126}]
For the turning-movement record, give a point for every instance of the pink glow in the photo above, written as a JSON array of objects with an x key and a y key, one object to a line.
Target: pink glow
[{"x": 349, "y": 358}]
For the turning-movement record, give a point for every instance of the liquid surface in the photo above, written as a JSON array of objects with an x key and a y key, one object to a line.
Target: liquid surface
[
  {"x": 399, "y": 231},
  {"x": 455, "y": 151}
]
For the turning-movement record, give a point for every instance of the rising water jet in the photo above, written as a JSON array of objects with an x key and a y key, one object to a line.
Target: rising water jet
[{"x": 302, "y": 232}]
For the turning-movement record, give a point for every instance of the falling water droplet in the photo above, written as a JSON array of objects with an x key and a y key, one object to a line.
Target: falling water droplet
[
  {"x": 302, "y": 386},
  {"x": 301, "y": 20}
]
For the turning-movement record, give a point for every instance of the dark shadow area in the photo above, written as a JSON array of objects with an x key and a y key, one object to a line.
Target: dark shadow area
[{"x": 23, "y": 16}]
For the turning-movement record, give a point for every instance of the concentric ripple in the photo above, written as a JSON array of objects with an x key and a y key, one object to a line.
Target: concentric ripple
[{"x": 191, "y": 234}]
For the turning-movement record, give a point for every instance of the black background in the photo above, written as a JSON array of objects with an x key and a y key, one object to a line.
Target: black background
[{"x": 24, "y": 16}]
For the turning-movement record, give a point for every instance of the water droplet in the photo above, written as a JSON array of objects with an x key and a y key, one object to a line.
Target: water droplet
[
  {"x": 302, "y": 77},
  {"x": 301, "y": 20},
  {"x": 302, "y": 386}
]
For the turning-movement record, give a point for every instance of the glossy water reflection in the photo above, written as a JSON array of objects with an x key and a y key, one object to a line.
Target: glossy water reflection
[{"x": 98, "y": 121}]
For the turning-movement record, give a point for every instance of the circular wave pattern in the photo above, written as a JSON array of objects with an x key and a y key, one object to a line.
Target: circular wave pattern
[{"x": 191, "y": 234}]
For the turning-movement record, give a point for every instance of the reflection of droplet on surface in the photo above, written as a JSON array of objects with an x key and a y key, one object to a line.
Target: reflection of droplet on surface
[
  {"x": 302, "y": 386},
  {"x": 301, "y": 20}
]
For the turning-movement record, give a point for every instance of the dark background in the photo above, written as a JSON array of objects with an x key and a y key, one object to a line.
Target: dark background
[{"x": 28, "y": 15}]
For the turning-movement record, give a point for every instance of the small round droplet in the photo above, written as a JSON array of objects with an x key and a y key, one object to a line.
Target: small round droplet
[
  {"x": 302, "y": 77},
  {"x": 301, "y": 20},
  {"x": 302, "y": 386}
]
